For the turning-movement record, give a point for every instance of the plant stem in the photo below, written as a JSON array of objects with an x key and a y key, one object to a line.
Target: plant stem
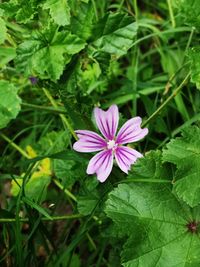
[
  {"x": 63, "y": 118},
  {"x": 171, "y": 13},
  {"x": 19, "y": 149},
  {"x": 67, "y": 192},
  {"x": 174, "y": 93},
  {"x": 49, "y": 109},
  {"x": 53, "y": 218}
]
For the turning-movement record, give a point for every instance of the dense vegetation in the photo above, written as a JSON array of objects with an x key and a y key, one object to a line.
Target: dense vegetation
[{"x": 58, "y": 60}]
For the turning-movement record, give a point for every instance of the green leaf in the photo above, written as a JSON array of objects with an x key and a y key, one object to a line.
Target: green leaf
[
  {"x": 194, "y": 57},
  {"x": 150, "y": 167},
  {"x": 48, "y": 56},
  {"x": 157, "y": 226},
  {"x": 82, "y": 20},
  {"x": 6, "y": 55},
  {"x": 184, "y": 152},
  {"x": 9, "y": 103},
  {"x": 59, "y": 11},
  {"x": 35, "y": 189},
  {"x": 115, "y": 34},
  {"x": 3, "y": 31}
]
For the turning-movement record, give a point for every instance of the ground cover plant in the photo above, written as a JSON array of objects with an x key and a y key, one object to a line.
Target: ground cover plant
[{"x": 118, "y": 79}]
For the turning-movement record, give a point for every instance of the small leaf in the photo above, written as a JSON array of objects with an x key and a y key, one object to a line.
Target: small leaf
[
  {"x": 59, "y": 11},
  {"x": 9, "y": 103}
]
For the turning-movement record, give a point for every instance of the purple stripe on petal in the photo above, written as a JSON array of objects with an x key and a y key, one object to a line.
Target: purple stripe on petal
[
  {"x": 125, "y": 157},
  {"x": 131, "y": 131},
  {"x": 89, "y": 142},
  {"x": 101, "y": 164},
  {"x": 107, "y": 121}
]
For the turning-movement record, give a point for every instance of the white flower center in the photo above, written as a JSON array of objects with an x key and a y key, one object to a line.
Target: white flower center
[{"x": 111, "y": 144}]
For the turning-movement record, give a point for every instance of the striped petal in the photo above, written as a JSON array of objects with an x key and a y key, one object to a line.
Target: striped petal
[
  {"x": 89, "y": 141},
  {"x": 125, "y": 157},
  {"x": 107, "y": 121},
  {"x": 101, "y": 164},
  {"x": 131, "y": 131}
]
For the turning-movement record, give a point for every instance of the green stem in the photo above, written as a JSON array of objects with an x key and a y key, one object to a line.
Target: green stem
[
  {"x": 67, "y": 192},
  {"x": 53, "y": 218},
  {"x": 171, "y": 13},
  {"x": 135, "y": 9},
  {"x": 49, "y": 109},
  {"x": 164, "y": 104},
  {"x": 63, "y": 118},
  {"x": 19, "y": 149}
]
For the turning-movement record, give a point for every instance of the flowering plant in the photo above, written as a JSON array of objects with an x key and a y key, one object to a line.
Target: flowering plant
[{"x": 112, "y": 145}]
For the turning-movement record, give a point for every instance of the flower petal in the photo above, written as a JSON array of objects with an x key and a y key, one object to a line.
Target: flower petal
[
  {"x": 131, "y": 131},
  {"x": 101, "y": 164},
  {"x": 125, "y": 156},
  {"x": 107, "y": 121},
  {"x": 89, "y": 141}
]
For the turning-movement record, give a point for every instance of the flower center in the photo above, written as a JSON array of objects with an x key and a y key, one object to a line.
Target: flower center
[{"x": 111, "y": 144}]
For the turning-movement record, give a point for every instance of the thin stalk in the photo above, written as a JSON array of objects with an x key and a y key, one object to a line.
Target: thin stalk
[
  {"x": 67, "y": 192},
  {"x": 63, "y": 118},
  {"x": 19, "y": 149},
  {"x": 171, "y": 13},
  {"x": 53, "y": 218},
  {"x": 44, "y": 108},
  {"x": 164, "y": 104},
  {"x": 135, "y": 9}
]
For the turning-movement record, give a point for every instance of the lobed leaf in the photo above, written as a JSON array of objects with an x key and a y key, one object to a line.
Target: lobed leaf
[
  {"x": 156, "y": 224},
  {"x": 184, "y": 152}
]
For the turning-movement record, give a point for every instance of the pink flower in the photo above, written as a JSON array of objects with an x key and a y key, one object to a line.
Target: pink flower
[{"x": 111, "y": 146}]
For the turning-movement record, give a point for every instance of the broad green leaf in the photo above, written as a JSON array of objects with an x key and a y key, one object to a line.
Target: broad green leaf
[
  {"x": 184, "y": 152},
  {"x": 158, "y": 226},
  {"x": 48, "y": 56},
  {"x": 115, "y": 34},
  {"x": 150, "y": 167},
  {"x": 194, "y": 57},
  {"x": 59, "y": 11},
  {"x": 82, "y": 20},
  {"x": 3, "y": 31},
  {"x": 9, "y": 103}
]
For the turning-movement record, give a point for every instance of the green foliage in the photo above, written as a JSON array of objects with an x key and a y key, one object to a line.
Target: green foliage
[
  {"x": 185, "y": 153},
  {"x": 59, "y": 60},
  {"x": 156, "y": 225},
  {"x": 2, "y": 31},
  {"x": 59, "y": 10},
  {"x": 190, "y": 11},
  {"x": 194, "y": 56},
  {"x": 9, "y": 103},
  {"x": 115, "y": 34},
  {"x": 47, "y": 57}
]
